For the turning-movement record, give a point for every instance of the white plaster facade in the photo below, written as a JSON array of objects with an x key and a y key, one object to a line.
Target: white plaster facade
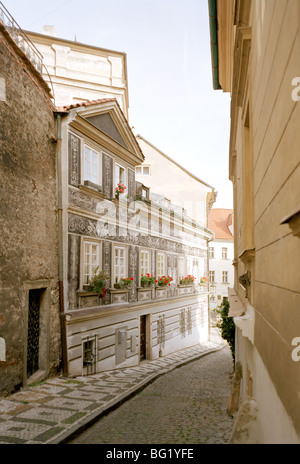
[
  {"x": 78, "y": 72},
  {"x": 219, "y": 265},
  {"x": 221, "y": 255},
  {"x": 173, "y": 181}
]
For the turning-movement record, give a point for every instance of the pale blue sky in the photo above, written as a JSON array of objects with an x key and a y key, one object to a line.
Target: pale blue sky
[{"x": 171, "y": 100}]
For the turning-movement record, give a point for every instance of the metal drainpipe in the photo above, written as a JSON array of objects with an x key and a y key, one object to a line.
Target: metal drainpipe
[{"x": 60, "y": 248}]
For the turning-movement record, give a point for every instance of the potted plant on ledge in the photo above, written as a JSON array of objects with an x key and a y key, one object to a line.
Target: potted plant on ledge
[
  {"x": 188, "y": 280},
  {"x": 99, "y": 282},
  {"x": 204, "y": 281},
  {"x": 163, "y": 281},
  {"x": 119, "y": 189},
  {"x": 124, "y": 283},
  {"x": 147, "y": 280}
]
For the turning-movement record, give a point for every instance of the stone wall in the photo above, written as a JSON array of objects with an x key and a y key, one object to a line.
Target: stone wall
[{"x": 28, "y": 240}]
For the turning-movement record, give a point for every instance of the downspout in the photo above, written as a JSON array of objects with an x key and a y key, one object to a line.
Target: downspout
[
  {"x": 213, "y": 26},
  {"x": 60, "y": 245}
]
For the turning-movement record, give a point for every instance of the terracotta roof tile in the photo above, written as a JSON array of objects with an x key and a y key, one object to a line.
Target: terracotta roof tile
[
  {"x": 86, "y": 103},
  {"x": 218, "y": 221}
]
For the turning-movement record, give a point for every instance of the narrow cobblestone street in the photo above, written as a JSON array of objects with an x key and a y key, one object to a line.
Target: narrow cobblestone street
[{"x": 187, "y": 405}]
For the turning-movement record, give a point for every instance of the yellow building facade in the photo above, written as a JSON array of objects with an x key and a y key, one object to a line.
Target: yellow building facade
[{"x": 255, "y": 48}]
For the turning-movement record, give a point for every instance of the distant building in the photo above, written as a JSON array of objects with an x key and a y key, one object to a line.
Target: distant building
[
  {"x": 166, "y": 177},
  {"x": 78, "y": 72},
  {"x": 221, "y": 255}
]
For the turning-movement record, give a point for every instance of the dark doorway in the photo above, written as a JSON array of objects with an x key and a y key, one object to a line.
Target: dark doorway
[
  {"x": 142, "y": 338},
  {"x": 33, "y": 334}
]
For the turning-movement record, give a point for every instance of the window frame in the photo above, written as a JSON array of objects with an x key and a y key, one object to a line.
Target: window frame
[
  {"x": 158, "y": 255},
  {"x": 91, "y": 241},
  {"x": 212, "y": 274},
  {"x": 117, "y": 276},
  {"x": 141, "y": 167},
  {"x": 98, "y": 152},
  {"x": 142, "y": 270},
  {"x": 115, "y": 181},
  {"x": 181, "y": 263},
  {"x": 211, "y": 252},
  {"x": 225, "y": 277},
  {"x": 224, "y": 253}
]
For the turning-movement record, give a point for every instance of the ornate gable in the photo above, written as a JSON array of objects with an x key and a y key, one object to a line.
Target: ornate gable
[{"x": 106, "y": 118}]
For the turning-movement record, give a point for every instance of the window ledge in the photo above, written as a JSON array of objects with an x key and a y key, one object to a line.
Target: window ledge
[
  {"x": 236, "y": 307},
  {"x": 248, "y": 255},
  {"x": 119, "y": 290},
  {"x": 293, "y": 220},
  {"x": 89, "y": 189}
]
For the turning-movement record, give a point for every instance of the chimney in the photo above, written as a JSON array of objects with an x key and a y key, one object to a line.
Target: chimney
[{"x": 49, "y": 30}]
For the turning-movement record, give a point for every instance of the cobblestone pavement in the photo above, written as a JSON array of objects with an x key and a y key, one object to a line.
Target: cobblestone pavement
[
  {"x": 187, "y": 405},
  {"x": 56, "y": 409}
]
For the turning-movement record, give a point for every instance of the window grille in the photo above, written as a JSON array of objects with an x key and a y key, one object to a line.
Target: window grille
[{"x": 89, "y": 358}]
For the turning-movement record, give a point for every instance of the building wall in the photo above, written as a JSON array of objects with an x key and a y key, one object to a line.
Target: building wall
[
  {"x": 276, "y": 190},
  {"x": 264, "y": 165},
  {"x": 28, "y": 240},
  {"x": 182, "y": 188},
  {"x": 176, "y": 316},
  {"x": 219, "y": 265},
  {"x": 80, "y": 72},
  {"x": 171, "y": 325}
]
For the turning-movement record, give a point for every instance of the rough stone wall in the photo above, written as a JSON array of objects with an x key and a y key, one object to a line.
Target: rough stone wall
[{"x": 28, "y": 239}]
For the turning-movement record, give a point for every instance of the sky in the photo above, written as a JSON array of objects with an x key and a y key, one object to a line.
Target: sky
[{"x": 172, "y": 103}]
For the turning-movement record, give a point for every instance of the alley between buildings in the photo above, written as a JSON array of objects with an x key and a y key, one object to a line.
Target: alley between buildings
[{"x": 187, "y": 405}]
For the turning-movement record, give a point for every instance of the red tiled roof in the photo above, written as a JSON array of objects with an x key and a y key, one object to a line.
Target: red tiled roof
[
  {"x": 218, "y": 221},
  {"x": 86, "y": 103}
]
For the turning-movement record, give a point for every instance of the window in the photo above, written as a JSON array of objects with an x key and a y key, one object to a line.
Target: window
[
  {"x": 189, "y": 265},
  {"x": 160, "y": 264},
  {"x": 142, "y": 170},
  {"x": 225, "y": 277},
  {"x": 119, "y": 175},
  {"x": 212, "y": 276},
  {"x": 91, "y": 260},
  {"x": 224, "y": 253},
  {"x": 181, "y": 267},
  {"x": 92, "y": 165},
  {"x": 145, "y": 262},
  {"x": 119, "y": 263},
  {"x": 211, "y": 252},
  {"x": 89, "y": 355},
  {"x": 195, "y": 272}
]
